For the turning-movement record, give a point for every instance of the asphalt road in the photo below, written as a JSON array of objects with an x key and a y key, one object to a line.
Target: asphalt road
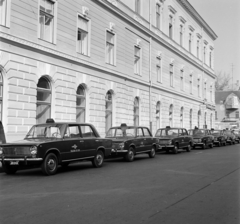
[{"x": 200, "y": 187}]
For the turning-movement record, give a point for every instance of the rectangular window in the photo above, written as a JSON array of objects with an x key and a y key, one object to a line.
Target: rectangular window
[
  {"x": 198, "y": 49},
  {"x": 110, "y": 48},
  {"x": 3, "y": 12},
  {"x": 171, "y": 75},
  {"x": 82, "y": 36},
  {"x": 204, "y": 54},
  {"x": 171, "y": 27},
  {"x": 137, "y": 59},
  {"x": 205, "y": 90},
  {"x": 181, "y": 80},
  {"x": 138, "y": 6},
  {"x": 190, "y": 42},
  {"x": 198, "y": 88},
  {"x": 210, "y": 59},
  {"x": 158, "y": 16},
  {"x": 159, "y": 69},
  {"x": 46, "y": 20},
  {"x": 181, "y": 35},
  {"x": 191, "y": 84}
]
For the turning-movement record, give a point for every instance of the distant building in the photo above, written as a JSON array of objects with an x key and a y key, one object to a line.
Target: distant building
[
  {"x": 105, "y": 62},
  {"x": 227, "y": 109}
]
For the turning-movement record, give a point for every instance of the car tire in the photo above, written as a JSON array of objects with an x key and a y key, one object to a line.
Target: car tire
[
  {"x": 152, "y": 153},
  {"x": 98, "y": 159},
  {"x": 50, "y": 164},
  {"x": 129, "y": 157},
  {"x": 175, "y": 149},
  {"x": 189, "y": 147},
  {"x": 8, "y": 169},
  {"x": 211, "y": 145},
  {"x": 219, "y": 144}
]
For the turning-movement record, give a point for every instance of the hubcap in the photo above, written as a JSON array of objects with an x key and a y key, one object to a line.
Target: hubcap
[
  {"x": 130, "y": 154},
  {"x": 99, "y": 159},
  {"x": 51, "y": 164},
  {"x": 153, "y": 151}
]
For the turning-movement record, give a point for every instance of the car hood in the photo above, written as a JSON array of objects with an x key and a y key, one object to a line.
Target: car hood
[
  {"x": 167, "y": 138},
  {"x": 36, "y": 141}
]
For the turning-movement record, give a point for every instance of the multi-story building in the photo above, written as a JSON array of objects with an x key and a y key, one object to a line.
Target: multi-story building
[
  {"x": 227, "y": 109},
  {"x": 105, "y": 62}
]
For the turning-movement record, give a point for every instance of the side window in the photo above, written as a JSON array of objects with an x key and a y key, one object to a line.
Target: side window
[
  {"x": 87, "y": 131},
  {"x": 139, "y": 132},
  {"x": 180, "y": 132},
  {"x": 72, "y": 132},
  {"x": 146, "y": 132},
  {"x": 185, "y": 132}
]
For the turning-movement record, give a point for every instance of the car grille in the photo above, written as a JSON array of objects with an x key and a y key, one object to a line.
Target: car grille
[
  {"x": 10, "y": 151},
  {"x": 197, "y": 140}
]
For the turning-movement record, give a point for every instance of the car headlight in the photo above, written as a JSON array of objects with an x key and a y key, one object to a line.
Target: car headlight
[
  {"x": 121, "y": 145},
  {"x": 170, "y": 142},
  {"x": 33, "y": 150}
]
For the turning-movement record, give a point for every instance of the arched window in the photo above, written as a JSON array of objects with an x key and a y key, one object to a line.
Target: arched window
[
  {"x": 190, "y": 118},
  {"x": 108, "y": 112},
  {"x": 80, "y": 104},
  {"x": 158, "y": 107},
  {"x": 205, "y": 120},
  {"x": 43, "y": 100},
  {"x": 211, "y": 121},
  {"x": 1, "y": 95},
  {"x": 171, "y": 115},
  {"x": 136, "y": 111},
  {"x": 199, "y": 118},
  {"x": 181, "y": 117}
]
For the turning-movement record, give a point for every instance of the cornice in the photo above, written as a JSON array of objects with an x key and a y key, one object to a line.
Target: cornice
[
  {"x": 182, "y": 19},
  {"x": 172, "y": 9},
  {"x": 189, "y": 8}
]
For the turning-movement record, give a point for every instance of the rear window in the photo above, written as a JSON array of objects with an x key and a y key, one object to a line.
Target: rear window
[{"x": 167, "y": 132}]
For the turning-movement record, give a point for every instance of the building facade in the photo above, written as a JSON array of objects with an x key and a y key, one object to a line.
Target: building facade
[
  {"x": 105, "y": 62},
  {"x": 227, "y": 109}
]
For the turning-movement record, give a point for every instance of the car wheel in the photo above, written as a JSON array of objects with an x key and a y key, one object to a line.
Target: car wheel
[
  {"x": 50, "y": 164},
  {"x": 98, "y": 159},
  {"x": 8, "y": 169},
  {"x": 129, "y": 157},
  {"x": 211, "y": 145},
  {"x": 152, "y": 153},
  {"x": 219, "y": 144},
  {"x": 175, "y": 149},
  {"x": 189, "y": 148}
]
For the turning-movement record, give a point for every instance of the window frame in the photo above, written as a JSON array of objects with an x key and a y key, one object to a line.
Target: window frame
[
  {"x": 88, "y": 34},
  {"x": 7, "y": 14},
  {"x": 138, "y": 66},
  {"x": 54, "y": 23},
  {"x": 107, "y": 58},
  {"x": 171, "y": 74},
  {"x": 159, "y": 68}
]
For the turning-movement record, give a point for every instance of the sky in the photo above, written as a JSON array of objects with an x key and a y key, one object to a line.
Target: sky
[{"x": 223, "y": 16}]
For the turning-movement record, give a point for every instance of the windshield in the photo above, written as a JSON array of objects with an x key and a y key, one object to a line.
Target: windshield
[
  {"x": 46, "y": 131},
  {"x": 167, "y": 132},
  {"x": 197, "y": 132},
  {"x": 119, "y": 133}
]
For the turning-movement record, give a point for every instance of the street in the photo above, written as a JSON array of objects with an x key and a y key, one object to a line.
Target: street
[{"x": 199, "y": 187}]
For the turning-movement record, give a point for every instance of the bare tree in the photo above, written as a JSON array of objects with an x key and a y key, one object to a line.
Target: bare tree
[{"x": 222, "y": 81}]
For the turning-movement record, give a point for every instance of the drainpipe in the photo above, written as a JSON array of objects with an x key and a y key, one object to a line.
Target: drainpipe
[{"x": 150, "y": 66}]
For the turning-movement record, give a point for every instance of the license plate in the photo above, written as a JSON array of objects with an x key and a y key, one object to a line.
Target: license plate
[{"x": 14, "y": 162}]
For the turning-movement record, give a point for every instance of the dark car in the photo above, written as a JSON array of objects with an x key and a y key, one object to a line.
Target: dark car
[
  {"x": 50, "y": 144},
  {"x": 231, "y": 138},
  {"x": 236, "y": 132},
  {"x": 173, "y": 139},
  {"x": 129, "y": 141},
  {"x": 220, "y": 139},
  {"x": 201, "y": 138}
]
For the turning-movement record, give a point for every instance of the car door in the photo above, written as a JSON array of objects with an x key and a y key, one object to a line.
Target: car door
[
  {"x": 89, "y": 141},
  {"x": 148, "y": 140},
  {"x": 72, "y": 142},
  {"x": 180, "y": 138},
  {"x": 186, "y": 137},
  {"x": 139, "y": 141}
]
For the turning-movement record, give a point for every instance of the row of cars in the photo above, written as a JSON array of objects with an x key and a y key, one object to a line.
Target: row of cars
[{"x": 53, "y": 143}]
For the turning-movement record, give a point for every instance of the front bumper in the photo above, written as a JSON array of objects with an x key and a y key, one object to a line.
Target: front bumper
[
  {"x": 166, "y": 146},
  {"x": 118, "y": 152},
  {"x": 22, "y": 161}
]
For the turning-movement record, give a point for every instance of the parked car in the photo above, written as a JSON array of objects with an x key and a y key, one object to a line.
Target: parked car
[
  {"x": 128, "y": 141},
  {"x": 174, "y": 139},
  {"x": 201, "y": 138},
  {"x": 231, "y": 138},
  {"x": 236, "y": 132},
  {"x": 52, "y": 143},
  {"x": 220, "y": 139}
]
